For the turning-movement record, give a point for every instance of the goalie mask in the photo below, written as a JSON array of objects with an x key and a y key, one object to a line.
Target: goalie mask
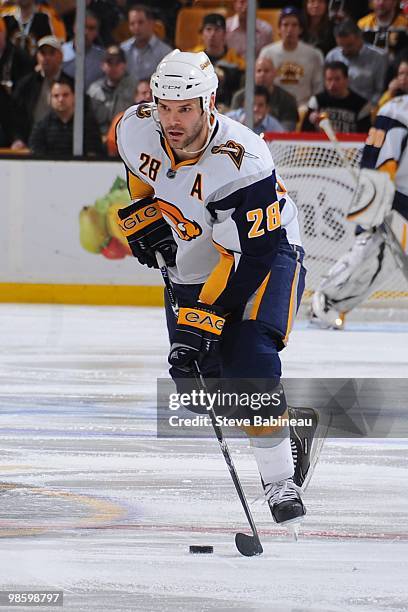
[{"x": 185, "y": 76}]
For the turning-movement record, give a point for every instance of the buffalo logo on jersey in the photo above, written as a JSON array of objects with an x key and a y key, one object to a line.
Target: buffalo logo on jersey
[
  {"x": 233, "y": 149},
  {"x": 185, "y": 228},
  {"x": 143, "y": 111}
]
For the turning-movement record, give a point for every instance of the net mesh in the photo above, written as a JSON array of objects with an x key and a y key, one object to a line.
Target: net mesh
[{"x": 322, "y": 188}]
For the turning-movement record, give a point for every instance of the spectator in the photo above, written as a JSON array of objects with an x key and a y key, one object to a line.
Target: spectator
[
  {"x": 354, "y": 8},
  {"x": 53, "y": 135},
  {"x": 299, "y": 66},
  {"x": 399, "y": 85},
  {"x": 318, "y": 30},
  {"x": 108, "y": 13},
  {"x": 142, "y": 93},
  {"x": 6, "y": 119},
  {"x": 263, "y": 121},
  {"x": 385, "y": 28},
  {"x": 93, "y": 53},
  {"x": 228, "y": 64},
  {"x": 236, "y": 30},
  {"x": 366, "y": 64},
  {"x": 14, "y": 63},
  {"x": 114, "y": 92},
  {"x": 31, "y": 93},
  {"x": 27, "y": 22},
  {"x": 144, "y": 50},
  {"x": 347, "y": 111},
  {"x": 282, "y": 105}
]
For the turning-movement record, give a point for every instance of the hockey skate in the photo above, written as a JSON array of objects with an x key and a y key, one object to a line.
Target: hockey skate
[
  {"x": 305, "y": 449},
  {"x": 323, "y": 314},
  {"x": 285, "y": 504}
]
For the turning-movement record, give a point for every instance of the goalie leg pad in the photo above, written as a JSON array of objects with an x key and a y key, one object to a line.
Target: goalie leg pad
[
  {"x": 357, "y": 272},
  {"x": 373, "y": 198}
]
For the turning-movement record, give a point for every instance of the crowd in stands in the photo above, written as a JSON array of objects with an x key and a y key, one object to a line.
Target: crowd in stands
[{"x": 341, "y": 57}]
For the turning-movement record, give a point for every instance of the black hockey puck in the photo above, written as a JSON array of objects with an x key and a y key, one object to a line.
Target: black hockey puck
[{"x": 201, "y": 550}]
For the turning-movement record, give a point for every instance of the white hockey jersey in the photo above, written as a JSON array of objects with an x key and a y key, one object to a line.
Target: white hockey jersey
[
  {"x": 226, "y": 208},
  {"x": 386, "y": 148}
]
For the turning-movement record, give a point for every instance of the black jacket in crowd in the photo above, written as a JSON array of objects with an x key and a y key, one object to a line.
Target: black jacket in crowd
[
  {"x": 51, "y": 137},
  {"x": 14, "y": 64},
  {"x": 6, "y": 119}
]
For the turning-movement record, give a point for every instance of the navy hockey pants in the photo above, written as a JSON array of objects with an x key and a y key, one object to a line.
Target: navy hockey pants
[{"x": 252, "y": 337}]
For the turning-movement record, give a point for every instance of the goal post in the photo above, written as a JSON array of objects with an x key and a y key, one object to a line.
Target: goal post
[{"x": 322, "y": 189}]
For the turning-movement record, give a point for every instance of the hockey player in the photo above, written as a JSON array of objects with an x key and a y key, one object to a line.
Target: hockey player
[
  {"x": 382, "y": 195},
  {"x": 205, "y": 194}
]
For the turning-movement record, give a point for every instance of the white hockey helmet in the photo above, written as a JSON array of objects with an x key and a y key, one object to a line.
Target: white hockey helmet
[{"x": 183, "y": 76}]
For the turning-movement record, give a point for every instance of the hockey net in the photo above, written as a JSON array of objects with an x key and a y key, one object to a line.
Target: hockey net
[{"x": 322, "y": 188}]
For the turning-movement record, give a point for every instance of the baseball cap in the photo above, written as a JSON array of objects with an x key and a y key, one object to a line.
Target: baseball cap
[
  {"x": 290, "y": 11},
  {"x": 50, "y": 41},
  {"x": 114, "y": 52},
  {"x": 214, "y": 19}
]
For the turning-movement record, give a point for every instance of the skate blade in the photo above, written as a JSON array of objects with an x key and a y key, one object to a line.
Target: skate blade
[
  {"x": 293, "y": 530},
  {"x": 293, "y": 526}
]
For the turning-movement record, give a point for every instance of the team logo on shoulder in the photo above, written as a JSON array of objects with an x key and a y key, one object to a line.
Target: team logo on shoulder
[
  {"x": 143, "y": 111},
  {"x": 233, "y": 149},
  {"x": 185, "y": 228}
]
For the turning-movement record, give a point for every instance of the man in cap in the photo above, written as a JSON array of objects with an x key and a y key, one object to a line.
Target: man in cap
[
  {"x": 113, "y": 93},
  {"x": 31, "y": 95}
]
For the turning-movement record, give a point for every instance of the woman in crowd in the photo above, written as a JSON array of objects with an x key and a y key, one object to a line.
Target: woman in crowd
[{"x": 318, "y": 28}]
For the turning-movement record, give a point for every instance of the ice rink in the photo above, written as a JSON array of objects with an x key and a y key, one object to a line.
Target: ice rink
[{"x": 91, "y": 502}]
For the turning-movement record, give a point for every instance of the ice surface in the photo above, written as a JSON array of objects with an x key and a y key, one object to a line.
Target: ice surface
[{"x": 93, "y": 503}]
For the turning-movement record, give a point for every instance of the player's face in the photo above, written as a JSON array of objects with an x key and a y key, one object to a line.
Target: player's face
[
  {"x": 316, "y": 8},
  {"x": 336, "y": 83},
  {"x": 402, "y": 76},
  {"x": 290, "y": 29},
  {"x": 183, "y": 122},
  {"x": 264, "y": 73}
]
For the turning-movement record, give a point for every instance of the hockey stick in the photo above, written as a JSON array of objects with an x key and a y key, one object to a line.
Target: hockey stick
[
  {"x": 247, "y": 545},
  {"x": 385, "y": 229}
]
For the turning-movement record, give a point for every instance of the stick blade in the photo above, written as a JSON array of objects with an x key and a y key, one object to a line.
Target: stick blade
[{"x": 249, "y": 546}]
